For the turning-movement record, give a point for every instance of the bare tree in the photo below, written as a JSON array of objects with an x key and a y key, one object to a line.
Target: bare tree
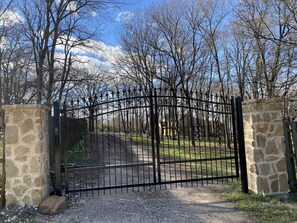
[
  {"x": 265, "y": 26},
  {"x": 4, "y": 7},
  {"x": 47, "y": 22},
  {"x": 15, "y": 58},
  {"x": 173, "y": 44}
]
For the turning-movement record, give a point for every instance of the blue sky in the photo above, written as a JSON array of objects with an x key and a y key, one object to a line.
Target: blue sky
[{"x": 110, "y": 28}]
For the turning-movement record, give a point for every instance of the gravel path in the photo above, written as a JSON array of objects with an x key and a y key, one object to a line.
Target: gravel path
[{"x": 197, "y": 204}]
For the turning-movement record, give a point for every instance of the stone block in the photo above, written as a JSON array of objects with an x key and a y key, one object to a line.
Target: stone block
[
  {"x": 279, "y": 130},
  {"x": 35, "y": 165},
  {"x": 36, "y": 196},
  {"x": 21, "y": 151},
  {"x": 29, "y": 112},
  {"x": 28, "y": 180},
  {"x": 252, "y": 168},
  {"x": 274, "y": 185},
  {"x": 261, "y": 140},
  {"x": 18, "y": 116},
  {"x": 273, "y": 107},
  {"x": 281, "y": 165},
  {"x": 264, "y": 169},
  {"x": 28, "y": 139},
  {"x": 11, "y": 134},
  {"x": 266, "y": 117},
  {"x": 11, "y": 169},
  {"x": 271, "y": 158},
  {"x": 248, "y": 135},
  {"x": 245, "y": 109},
  {"x": 262, "y": 127},
  {"x": 25, "y": 168},
  {"x": 21, "y": 159},
  {"x": 252, "y": 182},
  {"x": 275, "y": 116},
  {"x": 271, "y": 127},
  {"x": 26, "y": 126},
  {"x": 273, "y": 177},
  {"x": 256, "y": 107},
  {"x": 283, "y": 180},
  {"x": 20, "y": 190},
  {"x": 39, "y": 147},
  {"x": 7, "y": 119},
  {"x": 10, "y": 199},
  {"x": 53, "y": 205},
  {"x": 38, "y": 182},
  {"x": 262, "y": 185},
  {"x": 256, "y": 118},
  {"x": 271, "y": 148},
  {"x": 258, "y": 156}
]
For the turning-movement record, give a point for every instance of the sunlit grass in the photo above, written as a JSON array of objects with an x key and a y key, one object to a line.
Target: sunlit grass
[
  {"x": 210, "y": 158},
  {"x": 265, "y": 208},
  {"x": 184, "y": 148}
]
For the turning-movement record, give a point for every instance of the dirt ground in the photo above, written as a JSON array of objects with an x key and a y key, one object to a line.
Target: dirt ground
[{"x": 195, "y": 204}]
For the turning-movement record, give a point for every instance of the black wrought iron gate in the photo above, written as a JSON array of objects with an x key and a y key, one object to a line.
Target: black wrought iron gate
[{"x": 144, "y": 138}]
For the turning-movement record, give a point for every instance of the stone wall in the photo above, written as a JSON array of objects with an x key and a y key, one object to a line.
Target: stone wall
[
  {"x": 26, "y": 154},
  {"x": 265, "y": 149}
]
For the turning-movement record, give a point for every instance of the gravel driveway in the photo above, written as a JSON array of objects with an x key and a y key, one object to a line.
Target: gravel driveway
[{"x": 197, "y": 204}]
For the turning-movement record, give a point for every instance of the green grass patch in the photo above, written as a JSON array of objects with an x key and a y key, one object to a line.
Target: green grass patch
[
  {"x": 78, "y": 153},
  {"x": 203, "y": 150},
  {"x": 265, "y": 208},
  {"x": 184, "y": 148}
]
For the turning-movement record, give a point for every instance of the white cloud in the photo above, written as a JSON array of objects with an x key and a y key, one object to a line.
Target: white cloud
[
  {"x": 10, "y": 18},
  {"x": 94, "y": 14},
  {"x": 124, "y": 16},
  {"x": 95, "y": 55}
]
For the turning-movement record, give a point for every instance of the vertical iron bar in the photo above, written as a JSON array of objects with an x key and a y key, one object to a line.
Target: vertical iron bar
[
  {"x": 183, "y": 132},
  {"x": 156, "y": 125},
  {"x": 57, "y": 143},
  {"x": 242, "y": 156},
  {"x": 234, "y": 136},
  {"x": 152, "y": 122}
]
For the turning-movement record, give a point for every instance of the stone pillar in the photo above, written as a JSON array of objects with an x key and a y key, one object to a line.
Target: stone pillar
[
  {"x": 26, "y": 154},
  {"x": 265, "y": 148}
]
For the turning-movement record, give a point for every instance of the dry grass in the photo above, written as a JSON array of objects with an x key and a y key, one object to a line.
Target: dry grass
[{"x": 265, "y": 208}]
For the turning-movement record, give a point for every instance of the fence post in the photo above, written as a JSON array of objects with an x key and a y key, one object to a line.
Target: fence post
[
  {"x": 57, "y": 144},
  {"x": 289, "y": 157},
  {"x": 242, "y": 156},
  {"x": 65, "y": 143}
]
